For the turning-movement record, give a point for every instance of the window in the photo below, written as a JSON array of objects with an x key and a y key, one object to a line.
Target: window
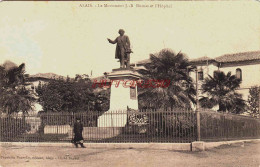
[
  {"x": 200, "y": 75},
  {"x": 239, "y": 73}
]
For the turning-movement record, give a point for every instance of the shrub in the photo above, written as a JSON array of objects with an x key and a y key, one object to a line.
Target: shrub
[{"x": 180, "y": 124}]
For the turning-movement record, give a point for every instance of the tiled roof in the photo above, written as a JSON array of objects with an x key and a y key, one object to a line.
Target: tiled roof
[
  {"x": 227, "y": 58},
  {"x": 237, "y": 57},
  {"x": 141, "y": 62},
  {"x": 201, "y": 59}
]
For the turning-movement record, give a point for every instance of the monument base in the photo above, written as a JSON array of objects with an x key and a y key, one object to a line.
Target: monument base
[
  {"x": 123, "y": 95},
  {"x": 113, "y": 119}
]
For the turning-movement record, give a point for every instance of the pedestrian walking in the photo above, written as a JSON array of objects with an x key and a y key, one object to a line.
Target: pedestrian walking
[{"x": 77, "y": 130}]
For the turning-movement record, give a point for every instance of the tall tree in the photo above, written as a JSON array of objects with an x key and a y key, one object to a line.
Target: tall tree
[
  {"x": 14, "y": 95},
  {"x": 72, "y": 95},
  {"x": 221, "y": 90},
  {"x": 166, "y": 65}
]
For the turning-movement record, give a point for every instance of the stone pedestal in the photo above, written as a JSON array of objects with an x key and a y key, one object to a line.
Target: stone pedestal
[{"x": 123, "y": 94}]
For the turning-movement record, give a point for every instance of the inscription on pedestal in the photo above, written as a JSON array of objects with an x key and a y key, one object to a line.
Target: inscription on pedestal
[{"x": 133, "y": 93}]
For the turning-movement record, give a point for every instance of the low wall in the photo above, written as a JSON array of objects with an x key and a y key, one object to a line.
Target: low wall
[
  {"x": 57, "y": 129},
  {"x": 194, "y": 146}
]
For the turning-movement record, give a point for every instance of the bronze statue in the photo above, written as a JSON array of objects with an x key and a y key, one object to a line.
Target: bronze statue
[{"x": 123, "y": 49}]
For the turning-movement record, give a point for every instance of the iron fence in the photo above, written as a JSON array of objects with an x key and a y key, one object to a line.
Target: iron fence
[
  {"x": 117, "y": 126},
  {"x": 174, "y": 126}
]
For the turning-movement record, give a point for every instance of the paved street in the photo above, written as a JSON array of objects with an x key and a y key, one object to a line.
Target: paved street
[{"x": 228, "y": 156}]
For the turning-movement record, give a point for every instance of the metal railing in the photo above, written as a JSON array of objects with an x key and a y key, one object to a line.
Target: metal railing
[{"x": 176, "y": 126}]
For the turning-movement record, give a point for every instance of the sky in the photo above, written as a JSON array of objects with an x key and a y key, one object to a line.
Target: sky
[{"x": 67, "y": 39}]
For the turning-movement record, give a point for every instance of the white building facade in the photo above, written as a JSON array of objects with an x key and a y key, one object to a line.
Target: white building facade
[{"x": 245, "y": 66}]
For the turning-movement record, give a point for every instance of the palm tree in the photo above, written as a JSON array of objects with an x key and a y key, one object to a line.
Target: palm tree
[
  {"x": 221, "y": 90},
  {"x": 12, "y": 75},
  {"x": 166, "y": 65},
  {"x": 14, "y": 95}
]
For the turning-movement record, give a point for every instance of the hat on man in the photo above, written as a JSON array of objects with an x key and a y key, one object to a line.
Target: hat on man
[{"x": 121, "y": 30}]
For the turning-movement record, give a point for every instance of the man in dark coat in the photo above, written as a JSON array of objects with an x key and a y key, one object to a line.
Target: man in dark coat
[
  {"x": 77, "y": 129},
  {"x": 123, "y": 49}
]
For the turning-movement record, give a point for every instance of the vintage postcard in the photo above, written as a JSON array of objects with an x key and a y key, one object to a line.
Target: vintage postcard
[{"x": 129, "y": 83}]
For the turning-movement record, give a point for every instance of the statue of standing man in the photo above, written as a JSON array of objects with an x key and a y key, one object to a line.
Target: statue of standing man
[{"x": 123, "y": 49}]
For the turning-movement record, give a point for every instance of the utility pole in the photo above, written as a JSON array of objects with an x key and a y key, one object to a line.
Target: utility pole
[
  {"x": 197, "y": 90},
  {"x": 197, "y": 106},
  {"x": 259, "y": 99}
]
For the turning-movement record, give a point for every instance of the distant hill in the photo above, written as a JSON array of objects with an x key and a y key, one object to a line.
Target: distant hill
[{"x": 47, "y": 76}]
